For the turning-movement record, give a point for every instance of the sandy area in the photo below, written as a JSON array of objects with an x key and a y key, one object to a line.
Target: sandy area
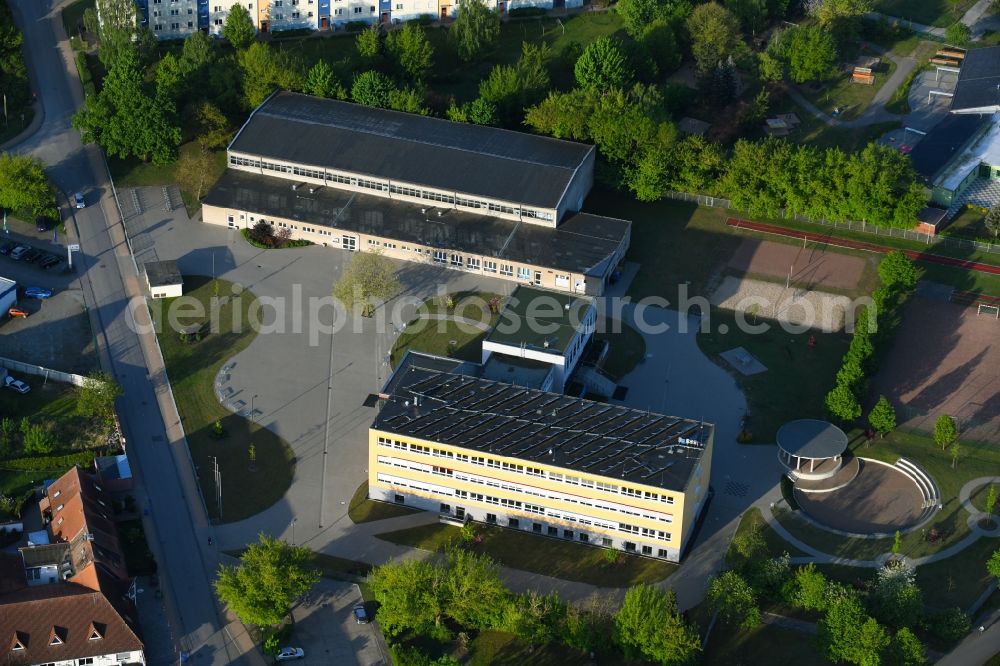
[
  {"x": 814, "y": 266},
  {"x": 803, "y": 308}
]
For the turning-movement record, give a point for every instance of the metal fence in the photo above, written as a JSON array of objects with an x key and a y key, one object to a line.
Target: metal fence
[
  {"x": 860, "y": 227},
  {"x": 39, "y": 371}
]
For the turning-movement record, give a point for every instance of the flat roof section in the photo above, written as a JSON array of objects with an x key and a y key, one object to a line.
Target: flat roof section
[
  {"x": 515, "y": 370},
  {"x": 162, "y": 273},
  {"x": 455, "y": 157},
  {"x": 978, "y": 84},
  {"x": 942, "y": 143},
  {"x": 541, "y": 320},
  {"x": 527, "y": 424},
  {"x": 812, "y": 438},
  {"x": 582, "y": 244}
]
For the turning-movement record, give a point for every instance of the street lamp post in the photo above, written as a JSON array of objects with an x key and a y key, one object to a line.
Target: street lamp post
[
  {"x": 252, "y": 398},
  {"x": 292, "y": 524}
]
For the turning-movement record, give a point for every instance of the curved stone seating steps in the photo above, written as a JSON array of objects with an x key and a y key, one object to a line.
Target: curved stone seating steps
[{"x": 928, "y": 488}]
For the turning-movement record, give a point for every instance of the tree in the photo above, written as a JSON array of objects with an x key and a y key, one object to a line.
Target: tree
[
  {"x": 955, "y": 450},
  {"x": 895, "y": 598},
  {"x": 118, "y": 28},
  {"x": 38, "y": 440},
  {"x": 951, "y": 625},
  {"x": 125, "y": 120},
  {"x": 811, "y": 52},
  {"x": 751, "y": 13},
  {"x": 169, "y": 78},
  {"x": 197, "y": 54},
  {"x": 991, "y": 501},
  {"x": 715, "y": 34},
  {"x": 905, "y": 650},
  {"x": 882, "y": 418},
  {"x": 590, "y": 626},
  {"x": 733, "y": 598},
  {"x": 372, "y": 88},
  {"x": 847, "y": 634},
  {"x": 993, "y": 564},
  {"x": 321, "y": 82},
  {"x": 475, "y": 30},
  {"x": 750, "y": 542},
  {"x": 843, "y": 404},
  {"x": 602, "y": 65},
  {"x": 239, "y": 28},
  {"x": 770, "y": 67},
  {"x": 270, "y": 576},
  {"x": 91, "y": 24},
  {"x": 472, "y": 593},
  {"x": 809, "y": 588},
  {"x": 479, "y": 111},
  {"x": 368, "y": 43},
  {"x": 957, "y": 34},
  {"x": 830, "y": 13},
  {"x": 193, "y": 170},
  {"x": 411, "y": 50},
  {"x": 659, "y": 40},
  {"x": 637, "y": 15},
  {"x": 992, "y": 221},
  {"x": 95, "y": 398},
  {"x": 535, "y": 618},
  {"x": 262, "y": 233},
  {"x": 265, "y": 70},
  {"x": 408, "y": 100},
  {"x": 368, "y": 279},
  {"x": 945, "y": 431},
  {"x": 211, "y": 126},
  {"x": 898, "y": 270},
  {"x": 649, "y": 626},
  {"x": 25, "y": 186}
]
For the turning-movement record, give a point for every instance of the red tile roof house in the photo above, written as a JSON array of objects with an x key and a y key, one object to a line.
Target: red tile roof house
[{"x": 85, "y": 616}]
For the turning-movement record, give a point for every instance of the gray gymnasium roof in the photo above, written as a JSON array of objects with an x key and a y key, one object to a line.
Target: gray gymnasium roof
[
  {"x": 582, "y": 244},
  {"x": 430, "y": 403},
  {"x": 978, "y": 85},
  {"x": 457, "y": 157}
]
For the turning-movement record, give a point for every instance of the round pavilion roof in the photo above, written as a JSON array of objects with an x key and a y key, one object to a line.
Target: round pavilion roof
[{"x": 812, "y": 438}]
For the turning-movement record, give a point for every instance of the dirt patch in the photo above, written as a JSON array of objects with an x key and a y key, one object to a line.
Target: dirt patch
[
  {"x": 802, "y": 308},
  {"x": 813, "y": 266},
  {"x": 945, "y": 360},
  {"x": 880, "y": 500}
]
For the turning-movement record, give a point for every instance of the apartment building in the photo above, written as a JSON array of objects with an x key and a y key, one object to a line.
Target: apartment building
[
  {"x": 474, "y": 449},
  {"x": 423, "y": 189},
  {"x": 174, "y": 19}
]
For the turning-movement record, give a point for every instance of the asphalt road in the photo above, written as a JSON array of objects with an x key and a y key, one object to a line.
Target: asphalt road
[{"x": 105, "y": 269}]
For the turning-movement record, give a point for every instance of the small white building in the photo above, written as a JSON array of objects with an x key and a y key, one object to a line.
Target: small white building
[
  {"x": 163, "y": 279},
  {"x": 8, "y": 294},
  {"x": 544, "y": 326}
]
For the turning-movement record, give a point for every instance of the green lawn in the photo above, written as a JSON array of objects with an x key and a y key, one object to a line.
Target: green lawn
[
  {"x": 938, "y": 13},
  {"x": 979, "y": 498},
  {"x": 969, "y": 224},
  {"x": 776, "y": 546},
  {"x": 558, "y": 558},
  {"x": 958, "y": 580},
  {"x": 133, "y": 172},
  {"x": 851, "y": 98},
  {"x": 499, "y": 648},
  {"x": 626, "y": 348},
  {"x": 19, "y": 121},
  {"x": 764, "y": 644},
  {"x": 474, "y": 305},
  {"x": 950, "y": 521},
  {"x": 364, "y": 510},
  {"x": 798, "y": 376},
  {"x": 331, "y": 566},
  {"x": 192, "y": 368},
  {"x": 442, "y": 337}
]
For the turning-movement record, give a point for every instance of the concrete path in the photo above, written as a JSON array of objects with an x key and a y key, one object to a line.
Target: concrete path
[
  {"x": 875, "y": 112},
  {"x": 906, "y": 23}
]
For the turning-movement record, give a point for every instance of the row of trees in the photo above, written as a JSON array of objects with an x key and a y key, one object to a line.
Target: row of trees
[
  {"x": 462, "y": 591},
  {"x": 13, "y": 73},
  {"x": 897, "y": 277},
  {"x": 868, "y": 623}
]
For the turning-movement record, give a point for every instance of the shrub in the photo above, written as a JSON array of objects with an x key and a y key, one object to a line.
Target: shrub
[
  {"x": 355, "y": 26},
  {"x": 521, "y": 12},
  {"x": 951, "y": 625},
  {"x": 50, "y": 463}
]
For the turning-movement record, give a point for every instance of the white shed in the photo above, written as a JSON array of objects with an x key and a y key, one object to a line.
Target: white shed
[{"x": 164, "y": 279}]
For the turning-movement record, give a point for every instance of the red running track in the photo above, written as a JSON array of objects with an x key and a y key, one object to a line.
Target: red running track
[{"x": 858, "y": 245}]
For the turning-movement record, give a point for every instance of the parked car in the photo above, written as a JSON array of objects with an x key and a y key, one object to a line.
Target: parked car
[
  {"x": 16, "y": 384},
  {"x": 37, "y": 292},
  {"x": 18, "y": 312},
  {"x": 7, "y": 247},
  {"x": 78, "y": 199},
  {"x": 360, "y": 616},
  {"x": 31, "y": 255},
  {"x": 19, "y": 251},
  {"x": 41, "y": 224},
  {"x": 289, "y": 653},
  {"x": 49, "y": 260}
]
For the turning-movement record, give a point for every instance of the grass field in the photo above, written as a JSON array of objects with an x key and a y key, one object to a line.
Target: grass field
[
  {"x": 499, "y": 648},
  {"x": 192, "y": 368},
  {"x": 442, "y": 337},
  {"x": 851, "y": 98},
  {"x": 558, "y": 558},
  {"x": 798, "y": 376},
  {"x": 938, "y": 13},
  {"x": 764, "y": 645},
  {"x": 958, "y": 580},
  {"x": 363, "y": 510},
  {"x": 776, "y": 546},
  {"x": 950, "y": 520}
]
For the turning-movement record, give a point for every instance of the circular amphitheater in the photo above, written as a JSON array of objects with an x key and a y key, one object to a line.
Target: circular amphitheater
[{"x": 851, "y": 495}]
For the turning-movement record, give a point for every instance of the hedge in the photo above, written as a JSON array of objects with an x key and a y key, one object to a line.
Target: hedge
[{"x": 52, "y": 463}]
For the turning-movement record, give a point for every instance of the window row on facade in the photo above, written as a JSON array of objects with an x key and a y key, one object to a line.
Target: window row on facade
[
  {"x": 379, "y": 186},
  {"x": 523, "y": 507},
  {"x": 519, "y": 468}
]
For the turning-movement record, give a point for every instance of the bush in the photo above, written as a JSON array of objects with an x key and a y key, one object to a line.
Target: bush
[
  {"x": 50, "y": 463},
  {"x": 76, "y": 44},
  {"x": 524, "y": 12},
  {"x": 423, "y": 20},
  {"x": 950, "y": 626},
  {"x": 355, "y": 26}
]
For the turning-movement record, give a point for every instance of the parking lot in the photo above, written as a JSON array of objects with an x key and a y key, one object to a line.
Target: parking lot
[
  {"x": 326, "y": 630},
  {"x": 56, "y": 333}
]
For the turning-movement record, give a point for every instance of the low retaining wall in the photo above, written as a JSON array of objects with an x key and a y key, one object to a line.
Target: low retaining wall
[{"x": 39, "y": 371}]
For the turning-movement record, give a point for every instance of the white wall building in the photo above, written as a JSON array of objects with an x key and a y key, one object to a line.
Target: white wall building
[{"x": 8, "y": 295}]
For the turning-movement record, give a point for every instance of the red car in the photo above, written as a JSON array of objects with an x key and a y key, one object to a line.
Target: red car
[{"x": 18, "y": 312}]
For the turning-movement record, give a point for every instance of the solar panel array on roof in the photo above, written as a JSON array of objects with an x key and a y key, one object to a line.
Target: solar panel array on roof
[{"x": 533, "y": 425}]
